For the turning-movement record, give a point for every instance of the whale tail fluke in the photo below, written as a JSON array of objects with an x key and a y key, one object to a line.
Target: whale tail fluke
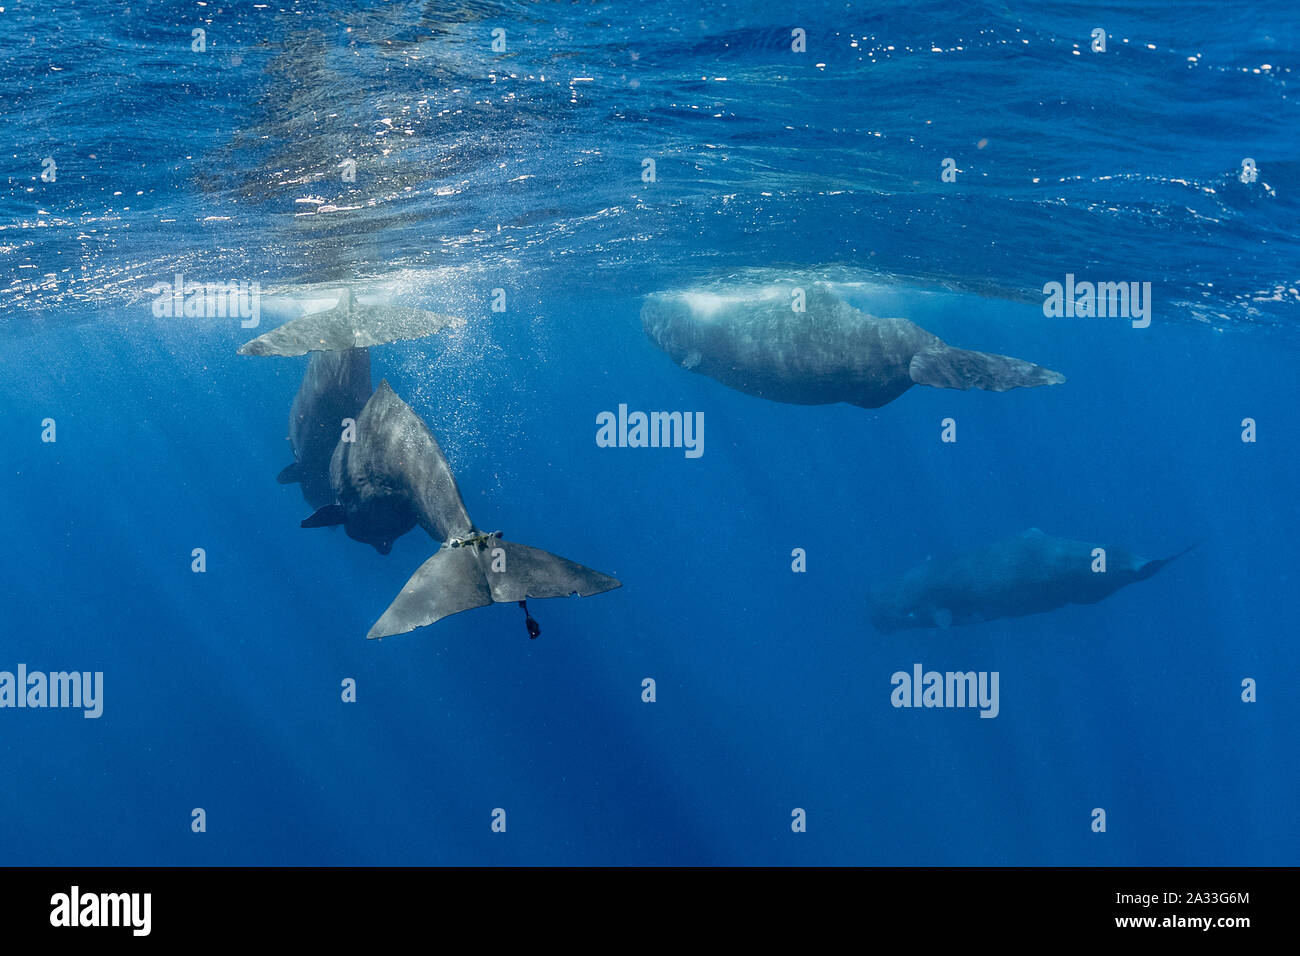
[
  {"x": 943, "y": 366},
  {"x": 349, "y": 325},
  {"x": 1151, "y": 567},
  {"x": 449, "y": 582},
  {"x": 534, "y": 573},
  {"x": 458, "y": 579}
]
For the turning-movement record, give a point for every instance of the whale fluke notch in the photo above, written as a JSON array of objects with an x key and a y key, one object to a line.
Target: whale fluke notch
[
  {"x": 348, "y": 325},
  {"x": 942, "y": 366}
]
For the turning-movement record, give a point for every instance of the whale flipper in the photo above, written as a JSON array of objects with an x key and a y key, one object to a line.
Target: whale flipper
[
  {"x": 349, "y": 325},
  {"x": 325, "y": 517},
  {"x": 290, "y": 475},
  {"x": 942, "y": 366},
  {"x": 458, "y": 579}
]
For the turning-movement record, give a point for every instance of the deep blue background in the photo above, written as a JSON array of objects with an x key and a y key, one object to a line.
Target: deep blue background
[{"x": 222, "y": 689}]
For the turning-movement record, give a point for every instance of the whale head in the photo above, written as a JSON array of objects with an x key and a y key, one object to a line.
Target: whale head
[
  {"x": 667, "y": 319},
  {"x": 888, "y": 616}
]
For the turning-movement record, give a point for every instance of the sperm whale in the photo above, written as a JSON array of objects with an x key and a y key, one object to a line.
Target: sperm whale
[
  {"x": 807, "y": 346},
  {"x": 1028, "y": 574}
]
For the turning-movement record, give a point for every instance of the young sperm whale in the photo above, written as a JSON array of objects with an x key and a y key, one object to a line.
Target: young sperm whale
[
  {"x": 335, "y": 387},
  {"x": 394, "y": 477},
  {"x": 349, "y": 324},
  {"x": 1028, "y": 574},
  {"x": 750, "y": 338}
]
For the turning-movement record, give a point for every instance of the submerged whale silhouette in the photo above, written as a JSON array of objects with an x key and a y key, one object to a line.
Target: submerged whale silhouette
[
  {"x": 1028, "y": 574},
  {"x": 749, "y": 338},
  {"x": 335, "y": 386},
  {"x": 349, "y": 324},
  {"x": 395, "y": 476}
]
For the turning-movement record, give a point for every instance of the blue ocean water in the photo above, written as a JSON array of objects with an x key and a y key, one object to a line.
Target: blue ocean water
[{"x": 523, "y": 169}]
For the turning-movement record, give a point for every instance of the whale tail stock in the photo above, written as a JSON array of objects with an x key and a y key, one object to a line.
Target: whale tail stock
[
  {"x": 486, "y": 572},
  {"x": 942, "y": 366}
]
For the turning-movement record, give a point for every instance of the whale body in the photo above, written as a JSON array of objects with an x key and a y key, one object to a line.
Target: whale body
[
  {"x": 335, "y": 387},
  {"x": 392, "y": 477},
  {"x": 1028, "y": 574},
  {"x": 751, "y": 337}
]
